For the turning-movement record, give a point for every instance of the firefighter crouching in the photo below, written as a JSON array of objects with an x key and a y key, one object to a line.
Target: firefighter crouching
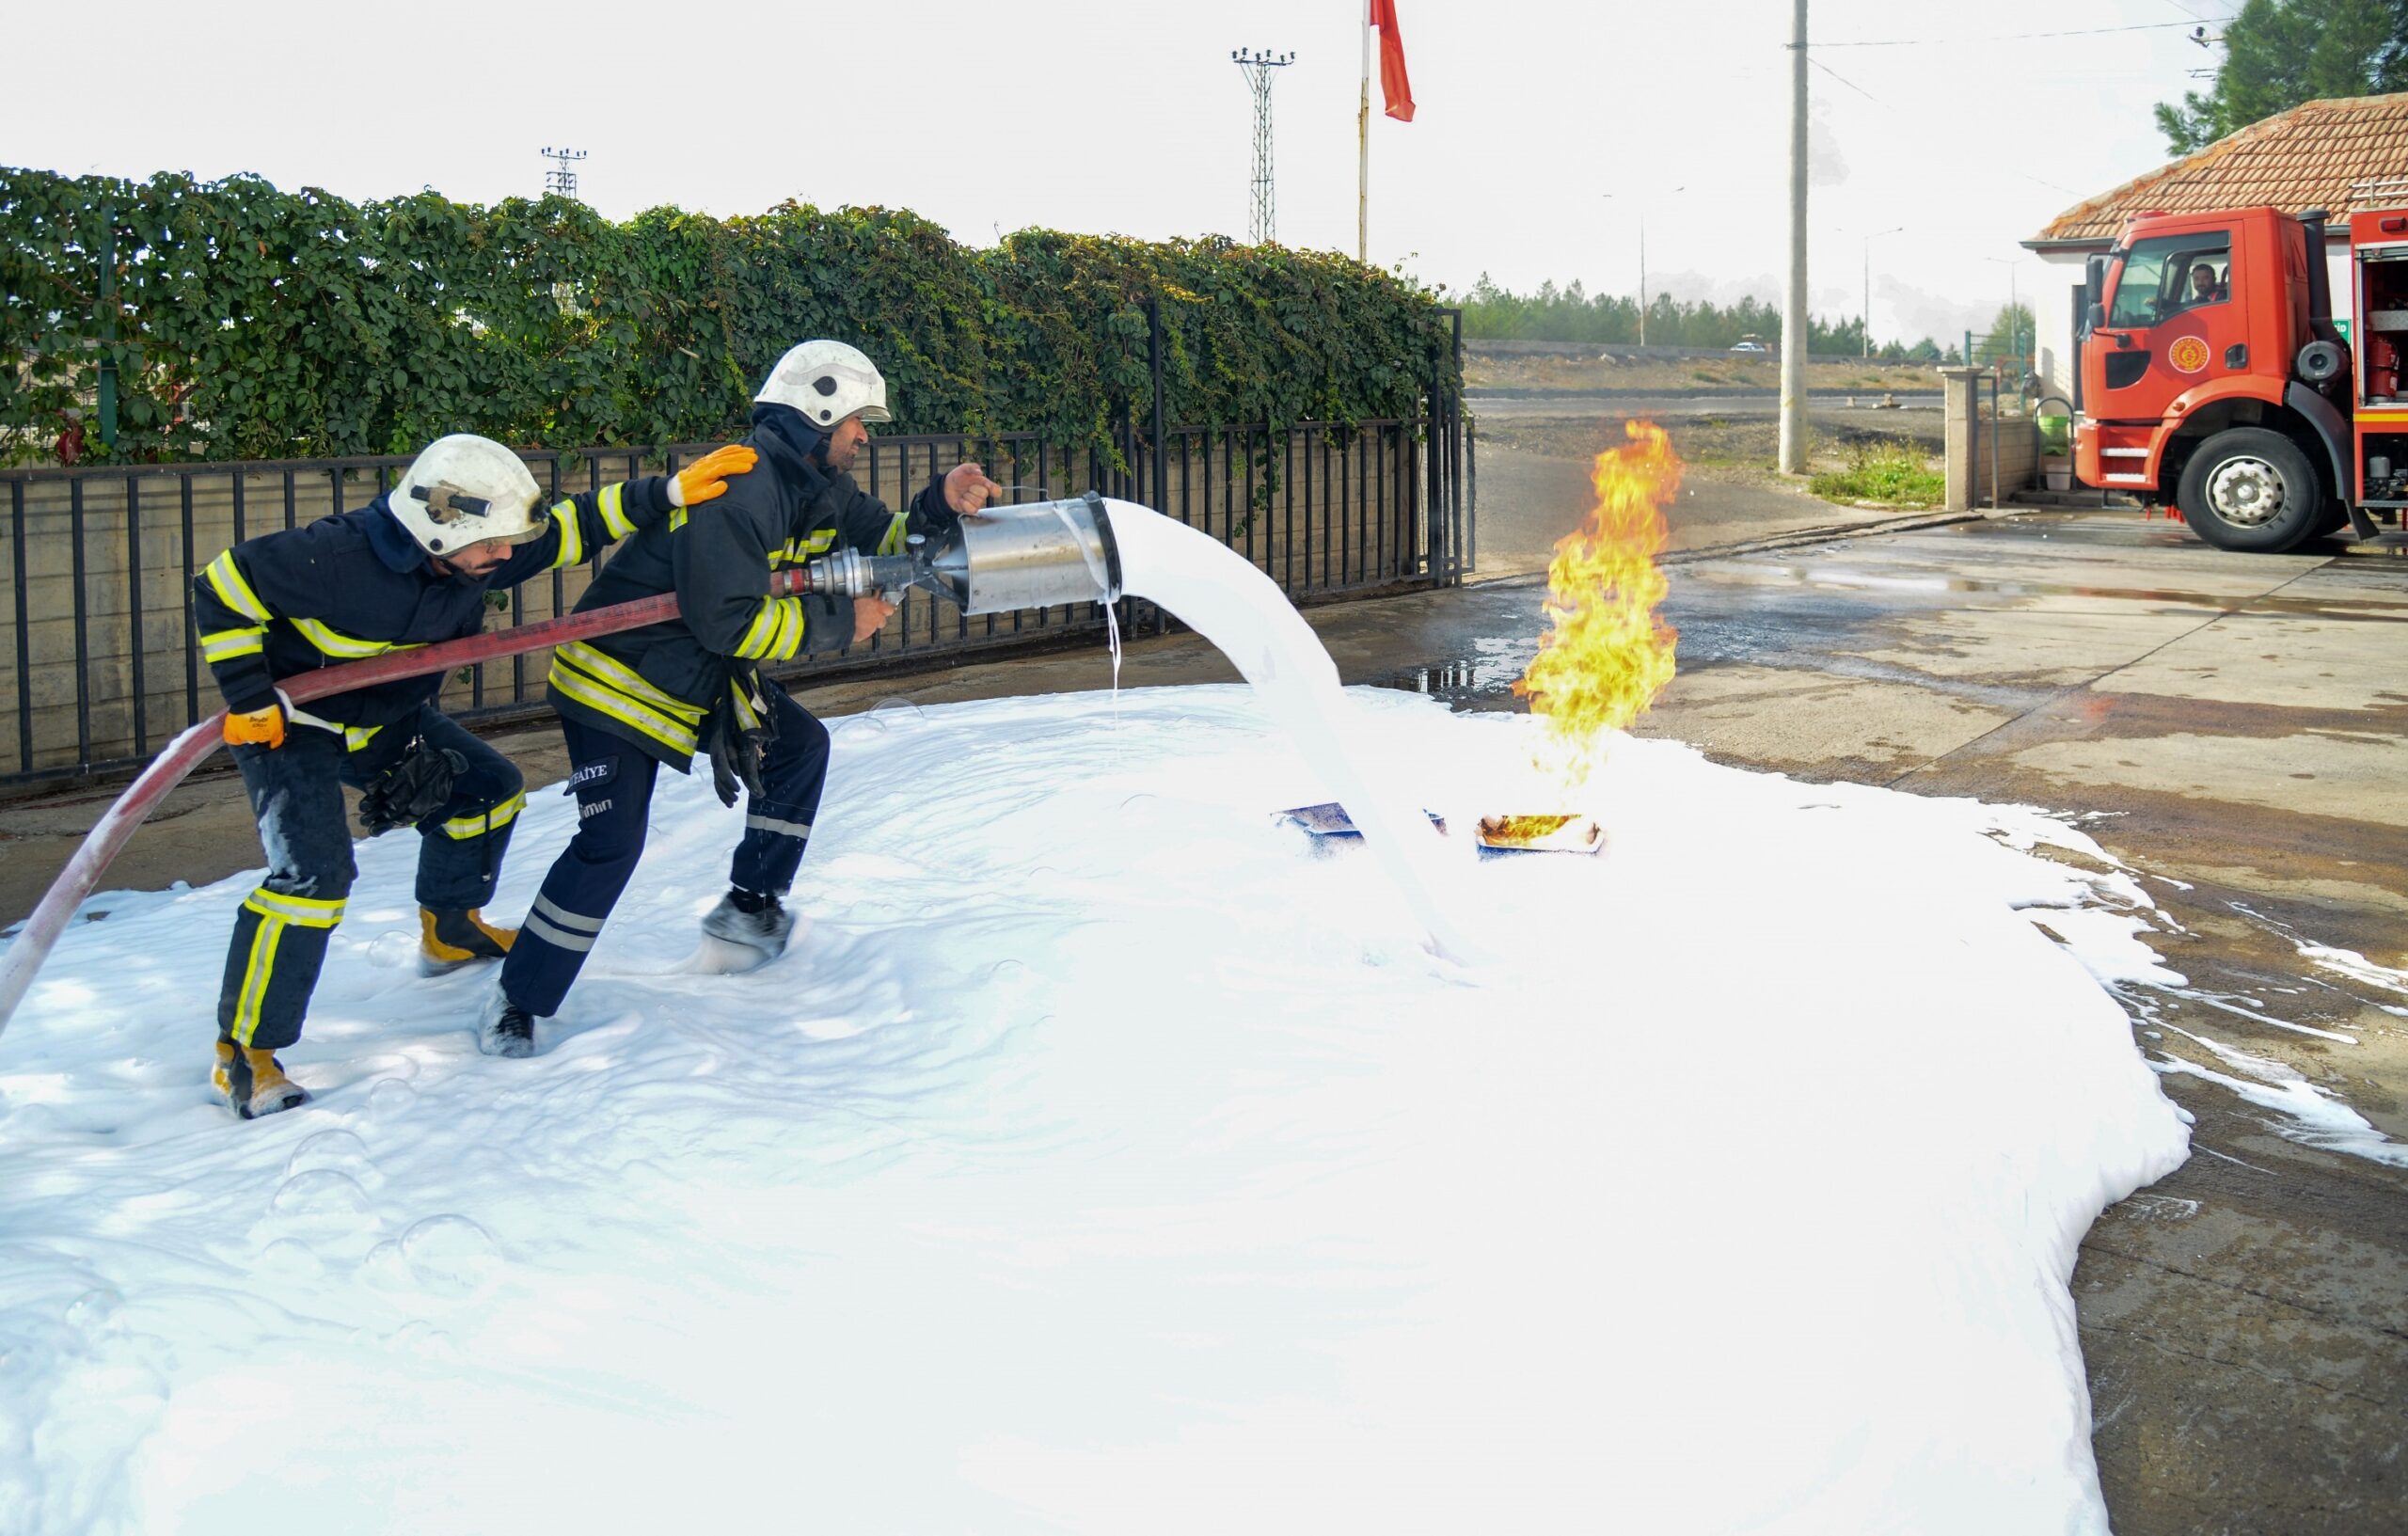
[
  {"x": 633, "y": 702},
  {"x": 411, "y": 568}
]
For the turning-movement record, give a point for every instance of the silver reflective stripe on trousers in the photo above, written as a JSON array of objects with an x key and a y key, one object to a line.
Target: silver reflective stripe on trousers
[
  {"x": 771, "y": 824},
  {"x": 557, "y": 926}
]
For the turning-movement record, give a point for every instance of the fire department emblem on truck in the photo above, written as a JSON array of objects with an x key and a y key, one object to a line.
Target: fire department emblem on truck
[{"x": 2188, "y": 355}]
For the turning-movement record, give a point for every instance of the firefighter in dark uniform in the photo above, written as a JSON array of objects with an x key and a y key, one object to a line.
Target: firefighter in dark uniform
[
  {"x": 631, "y": 702},
  {"x": 411, "y": 568}
]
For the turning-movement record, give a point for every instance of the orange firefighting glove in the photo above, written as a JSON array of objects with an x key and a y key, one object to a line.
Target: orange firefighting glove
[
  {"x": 265, "y": 726},
  {"x": 706, "y": 477}
]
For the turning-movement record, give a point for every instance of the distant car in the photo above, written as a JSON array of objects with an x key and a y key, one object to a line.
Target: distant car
[{"x": 1751, "y": 349}]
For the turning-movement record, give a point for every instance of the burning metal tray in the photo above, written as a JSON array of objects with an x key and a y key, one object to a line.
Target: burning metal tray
[{"x": 1541, "y": 834}]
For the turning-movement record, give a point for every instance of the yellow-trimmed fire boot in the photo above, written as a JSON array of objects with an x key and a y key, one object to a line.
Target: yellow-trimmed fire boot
[
  {"x": 253, "y": 1082},
  {"x": 448, "y": 941}
]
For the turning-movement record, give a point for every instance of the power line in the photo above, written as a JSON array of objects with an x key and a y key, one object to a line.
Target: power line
[
  {"x": 2020, "y": 36},
  {"x": 1887, "y": 107}
]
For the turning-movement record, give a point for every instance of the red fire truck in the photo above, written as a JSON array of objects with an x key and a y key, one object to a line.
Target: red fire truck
[{"x": 2213, "y": 379}]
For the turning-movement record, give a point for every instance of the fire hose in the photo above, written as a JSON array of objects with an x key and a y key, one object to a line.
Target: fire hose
[
  {"x": 110, "y": 834},
  {"x": 1026, "y": 556}
]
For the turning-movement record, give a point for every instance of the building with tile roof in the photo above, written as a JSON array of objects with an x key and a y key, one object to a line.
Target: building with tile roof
[{"x": 2310, "y": 156}]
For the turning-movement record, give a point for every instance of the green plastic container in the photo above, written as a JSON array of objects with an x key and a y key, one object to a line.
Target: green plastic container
[{"x": 2056, "y": 435}]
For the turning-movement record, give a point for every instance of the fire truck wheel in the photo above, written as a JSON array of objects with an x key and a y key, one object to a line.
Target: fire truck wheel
[{"x": 2251, "y": 489}]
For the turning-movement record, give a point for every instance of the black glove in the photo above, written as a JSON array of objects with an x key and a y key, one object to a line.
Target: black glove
[
  {"x": 412, "y": 789},
  {"x": 741, "y": 728}
]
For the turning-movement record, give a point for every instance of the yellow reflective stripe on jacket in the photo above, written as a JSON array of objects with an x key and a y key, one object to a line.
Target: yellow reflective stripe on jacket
[
  {"x": 893, "y": 543},
  {"x": 676, "y": 518},
  {"x": 232, "y": 590},
  {"x": 572, "y": 535},
  {"x": 310, "y": 911},
  {"x": 614, "y": 511},
  {"x": 349, "y": 647},
  {"x": 794, "y": 551},
  {"x": 622, "y": 678},
  {"x": 226, "y": 645},
  {"x": 485, "y": 821},
  {"x": 357, "y": 737},
  {"x": 776, "y": 632},
  {"x": 605, "y": 700}
]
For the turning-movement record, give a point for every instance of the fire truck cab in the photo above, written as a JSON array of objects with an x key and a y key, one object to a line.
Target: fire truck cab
[{"x": 2213, "y": 380}]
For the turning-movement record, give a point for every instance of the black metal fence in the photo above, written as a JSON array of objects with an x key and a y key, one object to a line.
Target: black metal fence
[{"x": 104, "y": 668}]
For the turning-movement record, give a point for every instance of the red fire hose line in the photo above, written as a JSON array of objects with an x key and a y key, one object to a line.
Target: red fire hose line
[{"x": 166, "y": 771}]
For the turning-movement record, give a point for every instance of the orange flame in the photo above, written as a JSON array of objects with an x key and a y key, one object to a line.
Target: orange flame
[{"x": 1607, "y": 654}]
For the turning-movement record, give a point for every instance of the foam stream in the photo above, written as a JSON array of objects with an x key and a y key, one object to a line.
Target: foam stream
[{"x": 1220, "y": 594}]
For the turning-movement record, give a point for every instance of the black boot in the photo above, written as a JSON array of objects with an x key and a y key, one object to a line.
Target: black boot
[
  {"x": 752, "y": 920},
  {"x": 505, "y": 1029}
]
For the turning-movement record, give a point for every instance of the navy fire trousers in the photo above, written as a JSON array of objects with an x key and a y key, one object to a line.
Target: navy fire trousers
[
  {"x": 614, "y": 781},
  {"x": 281, "y": 933}
]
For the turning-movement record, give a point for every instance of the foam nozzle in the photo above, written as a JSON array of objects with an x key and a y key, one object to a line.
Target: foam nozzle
[{"x": 1034, "y": 555}]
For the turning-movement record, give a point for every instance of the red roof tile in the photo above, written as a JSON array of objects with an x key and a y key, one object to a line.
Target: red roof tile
[{"x": 2307, "y": 157}]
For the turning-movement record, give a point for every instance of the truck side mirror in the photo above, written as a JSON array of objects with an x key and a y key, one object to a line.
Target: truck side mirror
[{"x": 2094, "y": 319}]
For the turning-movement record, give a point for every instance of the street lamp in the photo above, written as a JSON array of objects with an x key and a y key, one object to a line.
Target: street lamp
[
  {"x": 1868, "y": 338},
  {"x": 1642, "y": 258}
]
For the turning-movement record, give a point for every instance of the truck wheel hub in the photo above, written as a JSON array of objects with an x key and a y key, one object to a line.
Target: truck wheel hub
[{"x": 2246, "y": 492}]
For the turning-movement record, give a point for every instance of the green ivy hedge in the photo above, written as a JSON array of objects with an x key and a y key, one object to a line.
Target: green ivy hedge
[{"x": 251, "y": 322}]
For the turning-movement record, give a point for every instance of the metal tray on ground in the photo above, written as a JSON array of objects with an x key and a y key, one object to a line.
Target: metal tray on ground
[
  {"x": 1554, "y": 833},
  {"x": 1329, "y": 820}
]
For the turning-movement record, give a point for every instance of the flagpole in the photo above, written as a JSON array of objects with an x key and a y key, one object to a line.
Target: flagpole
[{"x": 1363, "y": 150}]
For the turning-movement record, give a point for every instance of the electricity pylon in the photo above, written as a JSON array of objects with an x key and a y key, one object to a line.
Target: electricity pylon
[{"x": 1258, "y": 67}]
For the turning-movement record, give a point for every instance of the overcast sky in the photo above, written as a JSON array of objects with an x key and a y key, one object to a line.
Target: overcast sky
[{"x": 1130, "y": 118}]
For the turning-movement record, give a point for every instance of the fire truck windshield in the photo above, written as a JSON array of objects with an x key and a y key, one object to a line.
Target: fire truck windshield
[{"x": 2163, "y": 276}]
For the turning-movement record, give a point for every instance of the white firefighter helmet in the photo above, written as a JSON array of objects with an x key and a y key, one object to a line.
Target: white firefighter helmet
[
  {"x": 827, "y": 381},
  {"x": 464, "y": 489}
]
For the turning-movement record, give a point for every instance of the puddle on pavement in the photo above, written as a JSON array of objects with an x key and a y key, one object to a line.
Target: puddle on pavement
[
  {"x": 1482, "y": 680},
  {"x": 1846, "y": 578}
]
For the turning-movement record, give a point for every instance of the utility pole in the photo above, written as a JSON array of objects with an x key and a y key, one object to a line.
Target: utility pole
[
  {"x": 1794, "y": 338},
  {"x": 1258, "y": 67},
  {"x": 1642, "y": 201},
  {"x": 1867, "y": 337},
  {"x": 562, "y": 178}
]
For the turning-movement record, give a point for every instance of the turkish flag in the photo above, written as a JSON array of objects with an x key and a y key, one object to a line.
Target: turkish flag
[{"x": 1394, "y": 87}]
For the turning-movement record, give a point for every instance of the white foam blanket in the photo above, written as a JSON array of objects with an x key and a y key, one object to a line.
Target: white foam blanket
[{"x": 1111, "y": 1157}]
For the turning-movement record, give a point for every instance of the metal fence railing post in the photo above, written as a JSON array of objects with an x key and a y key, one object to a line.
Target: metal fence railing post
[
  {"x": 133, "y": 611},
  {"x": 1455, "y": 425},
  {"x": 192, "y": 650},
  {"x": 83, "y": 638},
  {"x": 1154, "y": 363},
  {"x": 1996, "y": 408},
  {"x": 24, "y": 627}
]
